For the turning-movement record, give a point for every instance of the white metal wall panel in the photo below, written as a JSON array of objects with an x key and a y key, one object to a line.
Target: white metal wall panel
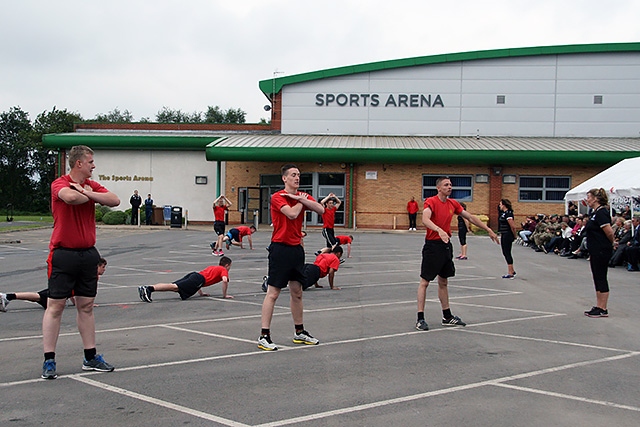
[
  {"x": 173, "y": 174},
  {"x": 544, "y": 96}
]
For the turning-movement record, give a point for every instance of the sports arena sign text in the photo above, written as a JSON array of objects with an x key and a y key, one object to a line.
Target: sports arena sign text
[{"x": 413, "y": 100}]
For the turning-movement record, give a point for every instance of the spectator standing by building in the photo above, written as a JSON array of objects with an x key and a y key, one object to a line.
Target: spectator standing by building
[
  {"x": 437, "y": 252},
  {"x": 135, "y": 202},
  {"x": 412, "y": 210},
  {"x": 286, "y": 256},
  {"x": 600, "y": 238},
  {"x": 73, "y": 258},
  {"x": 148, "y": 209}
]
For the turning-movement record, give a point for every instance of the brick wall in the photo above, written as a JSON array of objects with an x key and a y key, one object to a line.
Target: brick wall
[{"x": 378, "y": 202}]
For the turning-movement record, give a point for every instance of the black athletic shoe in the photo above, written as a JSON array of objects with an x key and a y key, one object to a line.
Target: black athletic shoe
[
  {"x": 144, "y": 293},
  {"x": 453, "y": 321},
  {"x": 421, "y": 325},
  {"x": 264, "y": 283},
  {"x": 597, "y": 312}
]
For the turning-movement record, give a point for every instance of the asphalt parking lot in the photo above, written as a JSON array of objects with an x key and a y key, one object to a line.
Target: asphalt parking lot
[{"x": 528, "y": 356}]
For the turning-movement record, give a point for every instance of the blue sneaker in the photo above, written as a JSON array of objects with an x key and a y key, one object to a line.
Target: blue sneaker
[
  {"x": 96, "y": 364},
  {"x": 49, "y": 370}
]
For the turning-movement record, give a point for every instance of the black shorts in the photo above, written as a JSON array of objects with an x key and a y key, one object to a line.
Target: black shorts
[
  {"x": 312, "y": 275},
  {"x": 218, "y": 227},
  {"x": 73, "y": 272},
  {"x": 44, "y": 296},
  {"x": 189, "y": 284},
  {"x": 437, "y": 260},
  {"x": 286, "y": 263},
  {"x": 234, "y": 234}
]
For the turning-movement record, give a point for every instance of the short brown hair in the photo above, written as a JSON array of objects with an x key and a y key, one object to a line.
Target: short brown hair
[{"x": 78, "y": 152}]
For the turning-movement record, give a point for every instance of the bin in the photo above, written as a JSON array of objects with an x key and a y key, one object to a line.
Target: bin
[
  {"x": 176, "y": 217},
  {"x": 157, "y": 216},
  {"x": 166, "y": 213},
  {"x": 483, "y": 218}
]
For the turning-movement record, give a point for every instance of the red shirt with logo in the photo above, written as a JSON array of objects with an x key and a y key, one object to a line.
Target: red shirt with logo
[
  {"x": 285, "y": 230},
  {"x": 441, "y": 214},
  {"x": 74, "y": 226},
  {"x": 214, "y": 274}
]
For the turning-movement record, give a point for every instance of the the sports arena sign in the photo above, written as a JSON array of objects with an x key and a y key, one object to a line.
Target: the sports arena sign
[{"x": 413, "y": 100}]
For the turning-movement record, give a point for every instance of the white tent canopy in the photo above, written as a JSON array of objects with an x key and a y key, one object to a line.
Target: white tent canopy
[{"x": 620, "y": 180}]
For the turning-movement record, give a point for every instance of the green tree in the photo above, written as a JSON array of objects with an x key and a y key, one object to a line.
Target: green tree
[
  {"x": 167, "y": 115},
  {"x": 114, "y": 116},
  {"x": 217, "y": 115},
  {"x": 46, "y": 161},
  {"x": 16, "y": 159}
]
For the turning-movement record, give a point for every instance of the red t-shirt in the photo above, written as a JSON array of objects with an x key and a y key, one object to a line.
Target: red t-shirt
[
  {"x": 343, "y": 240},
  {"x": 441, "y": 214},
  {"x": 214, "y": 274},
  {"x": 412, "y": 207},
  {"x": 218, "y": 212},
  {"x": 243, "y": 231},
  {"x": 329, "y": 217},
  {"x": 74, "y": 226},
  {"x": 285, "y": 230},
  {"x": 327, "y": 261}
]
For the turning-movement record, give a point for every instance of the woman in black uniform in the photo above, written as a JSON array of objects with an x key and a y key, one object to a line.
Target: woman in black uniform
[
  {"x": 600, "y": 240},
  {"x": 507, "y": 231}
]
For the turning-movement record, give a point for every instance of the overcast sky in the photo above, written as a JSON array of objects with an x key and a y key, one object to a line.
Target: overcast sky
[{"x": 90, "y": 56}]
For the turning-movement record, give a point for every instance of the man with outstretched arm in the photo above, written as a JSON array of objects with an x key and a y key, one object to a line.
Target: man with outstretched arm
[{"x": 437, "y": 252}]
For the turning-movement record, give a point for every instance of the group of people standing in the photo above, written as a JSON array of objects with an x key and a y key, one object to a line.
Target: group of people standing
[
  {"x": 73, "y": 258},
  {"x": 136, "y": 201}
]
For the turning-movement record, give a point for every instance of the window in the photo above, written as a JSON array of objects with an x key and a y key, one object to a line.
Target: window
[
  {"x": 276, "y": 180},
  {"x": 597, "y": 99},
  {"x": 500, "y": 99},
  {"x": 543, "y": 188},
  {"x": 462, "y": 185}
]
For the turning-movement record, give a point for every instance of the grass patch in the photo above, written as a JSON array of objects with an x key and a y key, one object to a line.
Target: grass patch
[{"x": 35, "y": 218}]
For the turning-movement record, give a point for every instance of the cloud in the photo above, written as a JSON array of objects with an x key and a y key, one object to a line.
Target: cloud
[{"x": 92, "y": 57}]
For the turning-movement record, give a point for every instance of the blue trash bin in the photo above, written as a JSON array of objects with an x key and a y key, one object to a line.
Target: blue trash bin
[{"x": 166, "y": 214}]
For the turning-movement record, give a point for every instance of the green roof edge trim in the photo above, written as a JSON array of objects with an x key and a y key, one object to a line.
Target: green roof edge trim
[
  {"x": 268, "y": 86},
  {"x": 415, "y": 156},
  {"x": 128, "y": 142}
]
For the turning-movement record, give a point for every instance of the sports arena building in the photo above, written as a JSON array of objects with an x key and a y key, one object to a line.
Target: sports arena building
[{"x": 525, "y": 124}]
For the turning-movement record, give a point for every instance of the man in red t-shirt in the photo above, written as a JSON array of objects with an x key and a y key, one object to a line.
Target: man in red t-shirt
[
  {"x": 437, "y": 252},
  {"x": 193, "y": 282},
  {"x": 73, "y": 258},
  {"x": 220, "y": 208},
  {"x": 331, "y": 204},
  {"x": 286, "y": 256},
  {"x": 345, "y": 240},
  {"x": 412, "y": 210},
  {"x": 235, "y": 235},
  {"x": 326, "y": 264}
]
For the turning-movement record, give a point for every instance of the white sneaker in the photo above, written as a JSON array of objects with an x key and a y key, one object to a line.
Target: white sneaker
[
  {"x": 265, "y": 343},
  {"x": 4, "y": 302},
  {"x": 305, "y": 337}
]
